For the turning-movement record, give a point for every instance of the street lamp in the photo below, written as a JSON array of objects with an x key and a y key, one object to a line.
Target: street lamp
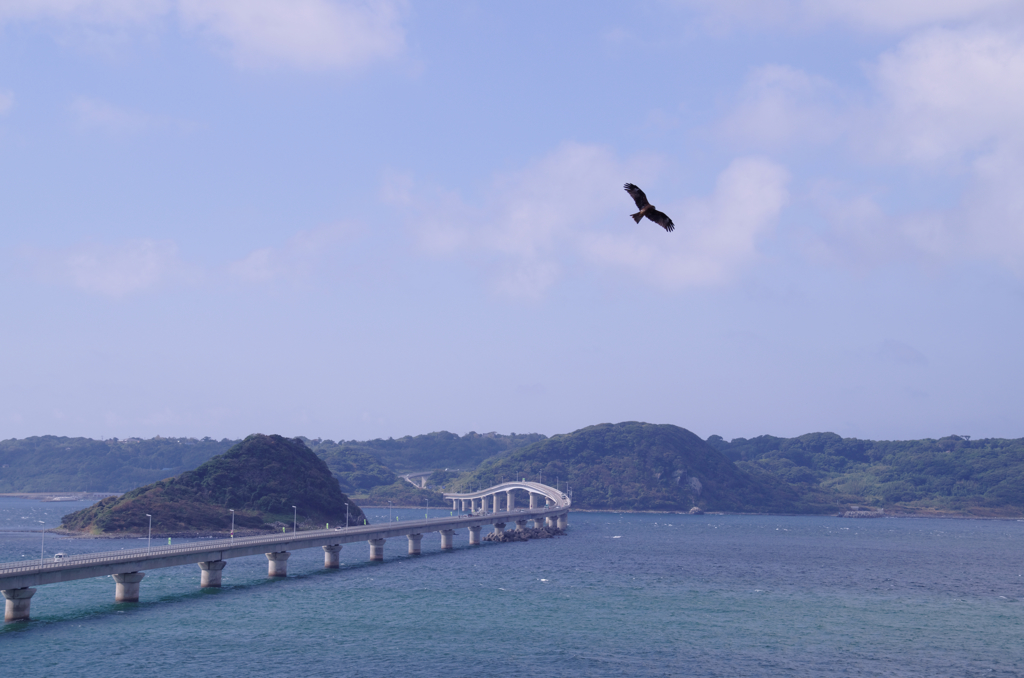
[
  {"x": 149, "y": 540},
  {"x": 42, "y": 540},
  {"x": 389, "y": 511},
  {"x": 346, "y": 515},
  {"x": 295, "y": 519},
  {"x": 232, "y": 525}
]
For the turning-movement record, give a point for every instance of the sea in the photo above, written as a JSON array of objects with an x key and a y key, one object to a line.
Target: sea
[{"x": 622, "y": 594}]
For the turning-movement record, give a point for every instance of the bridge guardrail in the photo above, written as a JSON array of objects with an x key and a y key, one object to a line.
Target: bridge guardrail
[{"x": 221, "y": 544}]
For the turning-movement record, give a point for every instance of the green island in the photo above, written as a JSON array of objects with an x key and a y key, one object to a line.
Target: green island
[
  {"x": 629, "y": 466},
  {"x": 261, "y": 478}
]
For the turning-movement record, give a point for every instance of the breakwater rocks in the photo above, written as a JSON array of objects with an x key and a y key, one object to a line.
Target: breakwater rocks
[
  {"x": 863, "y": 514},
  {"x": 524, "y": 534}
]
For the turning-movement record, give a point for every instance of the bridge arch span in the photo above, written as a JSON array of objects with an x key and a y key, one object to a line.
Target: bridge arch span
[{"x": 553, "y": 498}]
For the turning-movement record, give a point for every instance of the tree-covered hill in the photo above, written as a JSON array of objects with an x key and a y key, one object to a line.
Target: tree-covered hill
[
  {"x": 261, "y": 477},
  {"x": 357, "y": 471},
  {"x": 637, "y": 466},
  {"x": 630, "y": 465},
  {"x": 59, "y": 464},
  {"x": 436, "y": 450},
  {"x": 367, "y": 479},
  {"x": 982, "y": 477}
]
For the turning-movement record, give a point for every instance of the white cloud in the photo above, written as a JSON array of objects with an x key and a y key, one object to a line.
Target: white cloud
[
  {"x": 868, "y": 15},
  {"x": 569, "y": 207},
  {"x": 112, "y": 270},
  {"x": 940, "y": 96},
  {"x": 311, "y": 34},
  {"x": 993, "y": 209},
  {"x": 6, "y": 101},
  {"x": 885, "y": 15},
  {"x": 943, "y": 105},
  {"x": 779, "y": 104},
  {"x": 89, "y": 12},
  {"x": 296, "y": 259},
  {"x": 308, "y": 34},
  {"x": 715, "y": 236},
  {"x": 944, "y": 93},
  {"x": 530, "y": 219},
  {"x": 953, "y": 100},
  {"x": 93, "y": 113}
]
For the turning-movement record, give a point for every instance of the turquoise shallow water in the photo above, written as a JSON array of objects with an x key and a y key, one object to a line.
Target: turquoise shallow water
[{"x": 646, "y": 595}]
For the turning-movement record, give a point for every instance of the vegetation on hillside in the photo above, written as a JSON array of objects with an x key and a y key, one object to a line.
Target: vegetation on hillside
[
  {"x": 357, "y": 471},
  {"x": 401, "y": 493},
  {"x": 637, "y": 466},
  {"x": 60, "y": 464},
  {"x": 436, "y": 450},
  {"x": 951, "y": 474},
  {"x": 261, "y": 477},
  {"x": 626, "y": 466}
]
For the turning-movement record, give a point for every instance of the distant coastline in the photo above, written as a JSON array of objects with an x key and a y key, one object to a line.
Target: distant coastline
[
  {"x": 62, "y": 496},
  {"x": 896, "y": 512}
]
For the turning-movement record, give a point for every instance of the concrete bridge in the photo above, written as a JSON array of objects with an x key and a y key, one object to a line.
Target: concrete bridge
[
  {"x": 128, "y": 566},
  {"x": 504, "y": 497},
  {"x": 417, "y": 479}
]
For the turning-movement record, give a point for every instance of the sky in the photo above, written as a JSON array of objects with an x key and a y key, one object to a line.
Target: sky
[{"x": 354, "y": 220}]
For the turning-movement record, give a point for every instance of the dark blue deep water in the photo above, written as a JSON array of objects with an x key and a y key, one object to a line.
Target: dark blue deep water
[{"x": 623, "y": 594}]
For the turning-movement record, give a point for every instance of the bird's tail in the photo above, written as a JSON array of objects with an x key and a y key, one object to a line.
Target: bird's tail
[{"x": 637, "y": 217}]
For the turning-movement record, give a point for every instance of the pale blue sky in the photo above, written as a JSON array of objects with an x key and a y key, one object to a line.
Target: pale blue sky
[{"x": 356, "y": 220}]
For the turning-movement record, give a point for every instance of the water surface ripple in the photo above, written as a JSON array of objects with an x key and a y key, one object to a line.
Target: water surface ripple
[{"x": 636, "y": 594}]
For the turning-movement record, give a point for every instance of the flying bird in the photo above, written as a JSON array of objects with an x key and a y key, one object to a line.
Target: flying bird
[{"x": 647, "y": 209}]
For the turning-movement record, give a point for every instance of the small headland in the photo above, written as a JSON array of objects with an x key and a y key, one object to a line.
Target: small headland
[{"x": 262, "y": 478}]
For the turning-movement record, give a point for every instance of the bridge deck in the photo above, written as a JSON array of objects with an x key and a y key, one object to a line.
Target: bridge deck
[
  {"x": 33, "y": 573},
  {"x": 559, "y": 499}
]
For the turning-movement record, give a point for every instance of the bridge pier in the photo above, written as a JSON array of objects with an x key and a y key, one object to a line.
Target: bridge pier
[
  {"x": 521, "y": 524},
  {"x": 332, "y": 559},
  {"x": 18, "y": 603},
  {"x": 377, "y": 549},
  {"x": 414, "y": 544},
  {"x": 563, "y": 521},
  {"x": 510, "y": 501},
  {"x": 534, "y": 500},
  {"x": 277, "y": 563},
  {"x": 474, "y": 535},
  {"x": 127, "y": 587},
  {"x": 552, "y": 522},
  {"x": 447, "y": 540},
  {"x": 212, "y": 571},
  {"x": 499, "y": 528}
]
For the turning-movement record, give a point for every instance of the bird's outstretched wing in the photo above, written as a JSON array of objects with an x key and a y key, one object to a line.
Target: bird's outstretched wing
[
  {"x": 638, "y": 196},
  {"x": 661, "y": 219}
]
